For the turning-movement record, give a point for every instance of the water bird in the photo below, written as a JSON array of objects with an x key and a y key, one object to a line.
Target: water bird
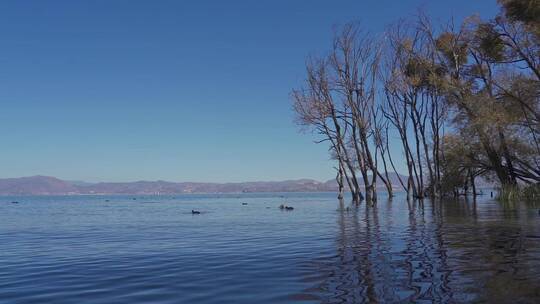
[
  {"x": 244, "y": 204},
  {"x": 14, "y": 202},
  {"x": 195, "y": 212},
  {"x": 107, "y": 200},
  {"x": 285, "y": 207}
]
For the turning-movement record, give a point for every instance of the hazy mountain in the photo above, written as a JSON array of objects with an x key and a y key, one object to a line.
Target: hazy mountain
[
  {"x": 36, "y": 185},
  {"x": 164, "y": 187},
  {"x": 45, "y": 185}
]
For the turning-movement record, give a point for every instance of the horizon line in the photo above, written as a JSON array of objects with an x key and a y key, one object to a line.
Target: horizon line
[{"x": 178, "y": 182}]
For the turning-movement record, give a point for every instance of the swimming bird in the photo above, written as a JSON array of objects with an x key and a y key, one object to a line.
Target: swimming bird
[
  {"x": 244, "y": 204},
  {"x": 289, "y": 208},
  {"x": 195, "y": 212},
  {"x": 14, "y": 202}
]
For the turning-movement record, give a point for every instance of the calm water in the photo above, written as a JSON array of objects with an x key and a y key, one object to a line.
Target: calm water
[{"x": 153, "y": 250}]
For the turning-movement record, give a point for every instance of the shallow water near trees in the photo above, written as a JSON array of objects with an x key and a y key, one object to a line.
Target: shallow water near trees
[{"x": 113, "y": 249}]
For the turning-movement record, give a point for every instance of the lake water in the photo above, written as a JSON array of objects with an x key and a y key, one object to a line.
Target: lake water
[{"x": 114, "y": 249}]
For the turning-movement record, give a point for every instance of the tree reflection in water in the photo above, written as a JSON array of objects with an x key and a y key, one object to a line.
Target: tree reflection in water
[{"x": 445, "y": 251}]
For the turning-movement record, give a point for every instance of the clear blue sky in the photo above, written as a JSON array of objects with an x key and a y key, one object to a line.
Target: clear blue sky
[{"x": 172, "y": 90}]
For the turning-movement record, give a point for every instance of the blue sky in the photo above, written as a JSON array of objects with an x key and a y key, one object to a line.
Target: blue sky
[{"x": 172, "y": 90}]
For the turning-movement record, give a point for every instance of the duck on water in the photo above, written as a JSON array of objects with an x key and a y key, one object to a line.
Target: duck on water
[{"x": 284, "y": 207}]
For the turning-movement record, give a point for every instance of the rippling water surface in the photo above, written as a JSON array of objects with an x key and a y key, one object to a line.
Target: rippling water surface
[{"x": 151, "y": 249}]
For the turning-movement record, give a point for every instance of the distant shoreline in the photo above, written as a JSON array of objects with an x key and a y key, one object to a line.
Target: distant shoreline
[
  {"x": 51, "y": 186},
  {"x": 381, "y": 190},
  {"x": 173, "y": 194}
]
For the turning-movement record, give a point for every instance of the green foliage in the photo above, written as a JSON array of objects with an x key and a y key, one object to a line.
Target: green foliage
[
  {"x": 424, "y": 74},
  {"x": 417, "y": 70},
  {"x": 453, "y": 49},
  {"x": 489, "y": 42},
  {"x": 458, "y": 162},
  {"x": 526, "y": 11}
]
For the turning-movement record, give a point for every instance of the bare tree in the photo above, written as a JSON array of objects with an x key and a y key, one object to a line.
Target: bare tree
[
  {"x": 480, "y": 80},
  {"x": 340, "y": 103},
  {"x": 316, "y": 109}
]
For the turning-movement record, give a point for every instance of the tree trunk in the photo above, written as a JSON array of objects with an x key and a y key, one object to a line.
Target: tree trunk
[
  {"x": 339, "y": 180},
  {"x": 473, "y": 184}
]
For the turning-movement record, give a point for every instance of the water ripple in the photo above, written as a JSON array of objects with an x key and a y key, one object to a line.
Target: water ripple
[{"x": 82, "y": 249}]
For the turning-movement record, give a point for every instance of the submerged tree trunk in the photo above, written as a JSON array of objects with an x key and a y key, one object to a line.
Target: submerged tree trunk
[
  {"x": 339, "y": 180},
  {"x": 473, "y": 184}
]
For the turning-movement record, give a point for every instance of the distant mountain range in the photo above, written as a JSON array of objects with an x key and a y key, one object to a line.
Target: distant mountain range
[{"x": 46, "y": 185}]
